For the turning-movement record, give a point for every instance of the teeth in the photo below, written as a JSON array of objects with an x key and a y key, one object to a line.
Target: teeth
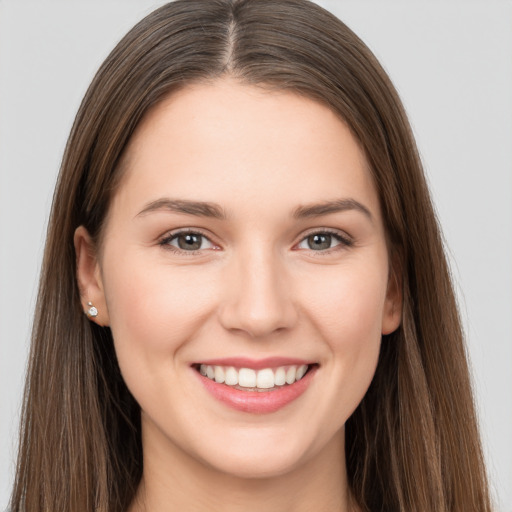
[
  {"x": 231, "y": 376},
  {"x": 266, "y": 378},
  {"x": 301, "y": 370},
  {"x": 280, "y": 377},
  {"x": 247, "y": 378},
  {"x": 219, "y": 374},
  {"x": 290, "y": 374}
]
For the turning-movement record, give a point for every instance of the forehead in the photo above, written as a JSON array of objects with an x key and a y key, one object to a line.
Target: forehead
[{"x": 236, "y": 143}]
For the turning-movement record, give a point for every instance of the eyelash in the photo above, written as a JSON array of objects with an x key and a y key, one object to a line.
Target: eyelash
[
  {"x": 344, "y": 241},
  {"x": 165, "y": 242}
]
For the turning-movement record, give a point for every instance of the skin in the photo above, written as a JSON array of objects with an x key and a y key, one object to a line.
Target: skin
[{"x": 255, "y": 289}]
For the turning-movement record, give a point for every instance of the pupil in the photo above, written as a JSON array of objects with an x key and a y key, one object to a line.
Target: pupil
[
  {"x": 318, "y": 242},
  {"x": 189, "y": 242}
]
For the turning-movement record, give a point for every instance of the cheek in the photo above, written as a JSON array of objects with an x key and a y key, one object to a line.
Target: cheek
[
  {"x": 156, "y": 310},
  {"x": 348, "y": 316},
  {"x": 348, "y": 304}
]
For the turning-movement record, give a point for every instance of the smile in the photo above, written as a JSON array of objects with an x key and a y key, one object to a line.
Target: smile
[
  {"x": 256, "y": 387},
  {"x": 256, "y": 380}
]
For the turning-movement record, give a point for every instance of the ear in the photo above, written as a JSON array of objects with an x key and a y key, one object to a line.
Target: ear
[
  {"x": 88, "y": 275},
  {"x": 392, "y": 314}
]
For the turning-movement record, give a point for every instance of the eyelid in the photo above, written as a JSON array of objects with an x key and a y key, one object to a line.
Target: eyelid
[
  {"x": 344, "y": 239},
  {"x": 164, "y": 240}
]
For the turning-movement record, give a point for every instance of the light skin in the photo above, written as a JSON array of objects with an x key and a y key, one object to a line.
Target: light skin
[{"x": 275, "y": 169}]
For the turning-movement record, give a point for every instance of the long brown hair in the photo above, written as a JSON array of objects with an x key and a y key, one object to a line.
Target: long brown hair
[{"x": 412, "y": 444}]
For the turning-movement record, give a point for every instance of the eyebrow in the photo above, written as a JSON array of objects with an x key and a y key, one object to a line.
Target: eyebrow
[
  {"x": 213, "y": 210},
  {"x": 327, "y": 207},
  {"x": 198, "y": 208}
]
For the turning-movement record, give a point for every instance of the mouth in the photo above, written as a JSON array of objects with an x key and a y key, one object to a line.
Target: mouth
[
  {"x": 256, "y": 387},
  {"x": 249, "y": 379}
]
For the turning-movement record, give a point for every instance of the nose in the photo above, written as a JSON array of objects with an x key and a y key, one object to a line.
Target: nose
[{"x": 258, "y": 298}]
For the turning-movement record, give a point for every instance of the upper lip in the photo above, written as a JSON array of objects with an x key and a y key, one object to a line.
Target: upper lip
[{"x": 255, "y": 364}]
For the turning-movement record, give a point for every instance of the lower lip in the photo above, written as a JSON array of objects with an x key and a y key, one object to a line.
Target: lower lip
[{"x": 258, "y": 402}]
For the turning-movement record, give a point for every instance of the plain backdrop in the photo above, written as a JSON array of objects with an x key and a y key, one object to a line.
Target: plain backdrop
[{"x": 452, "y": 64}]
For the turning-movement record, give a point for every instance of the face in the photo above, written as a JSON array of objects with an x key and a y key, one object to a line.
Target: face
[{"x": 245, "y": 242}]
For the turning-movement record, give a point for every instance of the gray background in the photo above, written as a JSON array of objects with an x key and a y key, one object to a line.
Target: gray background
[{"x": 451, "y": 62}]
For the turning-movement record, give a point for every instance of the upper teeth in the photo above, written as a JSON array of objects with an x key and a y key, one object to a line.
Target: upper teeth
[{"x": 249, "y": 378}]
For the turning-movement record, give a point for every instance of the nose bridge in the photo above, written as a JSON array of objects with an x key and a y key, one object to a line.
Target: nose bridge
[{"x": 258, "y": 300}]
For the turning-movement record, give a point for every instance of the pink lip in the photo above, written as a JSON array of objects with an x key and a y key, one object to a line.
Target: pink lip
[
  {"x": 257, "y": 402},
  {"x": 255, "y": 364}
]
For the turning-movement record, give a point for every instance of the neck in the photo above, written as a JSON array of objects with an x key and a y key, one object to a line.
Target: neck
[{"x": 173, "y": 480}]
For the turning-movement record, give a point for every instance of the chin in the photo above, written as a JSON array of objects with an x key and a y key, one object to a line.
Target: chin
[
  {"x": 260, "y": 466},
  {"x": 260, "y": 457}
]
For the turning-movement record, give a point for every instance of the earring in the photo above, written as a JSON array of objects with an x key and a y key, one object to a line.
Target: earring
[{"x": 92, "y": 311}]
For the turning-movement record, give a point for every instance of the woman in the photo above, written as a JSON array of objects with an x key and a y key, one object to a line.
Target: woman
[{"x": 269, "y": 322}]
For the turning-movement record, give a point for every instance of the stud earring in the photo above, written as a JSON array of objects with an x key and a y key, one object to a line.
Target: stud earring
[{"x": 92, "y": 311}]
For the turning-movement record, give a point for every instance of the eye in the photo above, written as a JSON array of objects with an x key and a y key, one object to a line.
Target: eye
[
  {"x": 188, "y": 241},
  {"x": 323, "y": 241}
]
